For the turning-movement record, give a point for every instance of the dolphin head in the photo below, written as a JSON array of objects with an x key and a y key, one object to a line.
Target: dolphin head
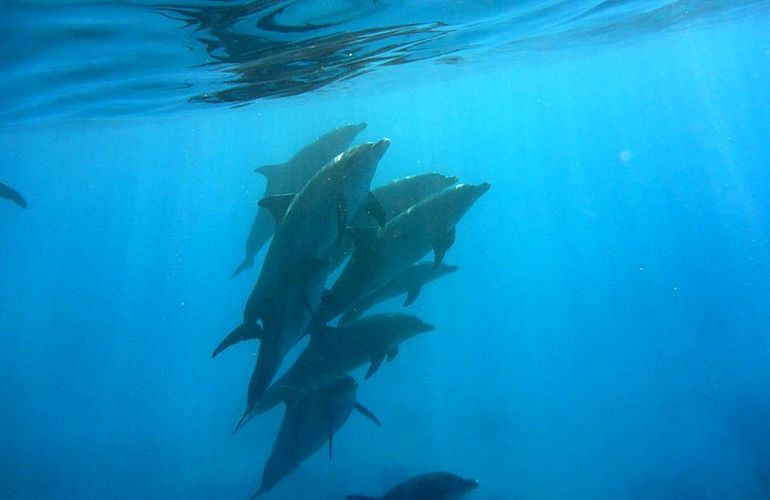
[
  {"x": 455, "y": 486},
  {"x": 468, "y": 485},
  {"x": 458, "y": 199},
  {"x": 399, "y": 326},
  {"x": 358, "y": 164}
]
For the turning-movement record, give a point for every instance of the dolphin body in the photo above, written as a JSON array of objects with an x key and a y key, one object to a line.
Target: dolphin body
[
  {"x": 312, "y": 417},
  {"x": 298, "y": 260},
  {"x": 381, "y": 254},
  {"x": 400, "y": 194},
  {"x": 409, "y": 282},
  {"x": 396, "y": 197},
  {"x": 11, "y": 194},
  {"x": 290, "y": 177},
  {"x": 431, "y": 486},
  {"x": 335, "y": 351}
]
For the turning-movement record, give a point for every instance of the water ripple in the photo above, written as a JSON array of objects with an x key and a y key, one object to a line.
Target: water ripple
[{"x": 108, "y": 59}]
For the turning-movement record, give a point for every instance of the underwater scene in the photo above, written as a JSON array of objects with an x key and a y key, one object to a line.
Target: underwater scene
[{"x": 385, "y": 249}]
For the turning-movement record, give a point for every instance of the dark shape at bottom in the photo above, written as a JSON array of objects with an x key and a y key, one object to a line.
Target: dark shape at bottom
[{"x": 431, "y": 486}]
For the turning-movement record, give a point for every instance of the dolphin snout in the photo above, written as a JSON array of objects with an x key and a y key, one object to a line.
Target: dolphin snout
[
  {"x": 472, "y": 484},
  {"x": 381, "y": 146},
  {"x": 427, "y": 327}
]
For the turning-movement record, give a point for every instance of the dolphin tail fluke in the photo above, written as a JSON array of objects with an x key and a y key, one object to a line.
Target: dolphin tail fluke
[
  {"x": 246, "y": 264},
  {"x": 246, "y": 331}
]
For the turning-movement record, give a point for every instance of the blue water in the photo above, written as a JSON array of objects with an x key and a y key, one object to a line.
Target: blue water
[{"x": 605, "y": 338}]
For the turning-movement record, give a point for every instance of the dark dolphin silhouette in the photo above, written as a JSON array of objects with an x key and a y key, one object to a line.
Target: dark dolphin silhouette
[
  {"x": 311, "y": 419},
  {"x": 396, "y": 197},
  {"x": 409, "y": 282},
  {"x": 290, "y": 177},
  {"x": 298, "y": 260},
  {"x": 381, "y": 254},
  {"x": 431, "y": 486},
  {"x": 335, "y": 351}
]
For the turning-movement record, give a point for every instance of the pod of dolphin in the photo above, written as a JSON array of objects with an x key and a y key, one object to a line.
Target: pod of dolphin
[{"x": 319, "y": 212}]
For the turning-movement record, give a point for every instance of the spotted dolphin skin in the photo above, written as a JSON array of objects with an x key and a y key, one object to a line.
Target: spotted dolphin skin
[
  {"x": 335, "y": 351},
  {"x": 290, "y": 177},
  {"x": 381, "y": 254},
  {"x": 297, "y": 262},
  {"x": 311, "y": 419},
  {"x": 11, "y": 194},
  {"x": 409, "y": 282},
  {"x": 432, "y": 486}
]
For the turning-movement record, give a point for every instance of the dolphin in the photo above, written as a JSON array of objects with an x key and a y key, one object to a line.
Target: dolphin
[
  {"x": 381, "y": 254},
  {"x": 400, "y": 194},
  {"x": 290, "y": 177},
  {"x": 298, "y": 259},
  {"x": 335, "y": 351},
  {"x": 395, "y": 197},
  {"x": 431, "y": 486},
  {"x": 409, "y": 282},
  {"x": 9, "y": 193},
  {"x": 311, "y": 418}
]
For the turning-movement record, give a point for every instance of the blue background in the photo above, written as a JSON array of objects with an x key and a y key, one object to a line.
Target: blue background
[{"x": 606, "y": 334}]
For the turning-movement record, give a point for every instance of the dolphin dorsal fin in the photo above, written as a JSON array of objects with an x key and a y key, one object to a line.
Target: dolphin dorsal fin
[
  {"x": 412, "y": 295},
  {"x": 364, "y": 237},
  {"x": 441, "y": 245},
  {"x": 374, "y": 208},
  {"x": 392, "y": 353},
  {"x": 377, "y": 360},
  {"x": 363, "y": 410},
  {"x": 269, "y": 170},
  {"x": 277, "y": 204}
]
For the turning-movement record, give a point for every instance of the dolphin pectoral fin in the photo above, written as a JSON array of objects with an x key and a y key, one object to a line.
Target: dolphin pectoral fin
[
  {"x": 277, "y": 204},
  {"x": 246, "y": 264},
  {"x": 412, "y": 295},
  {"x": 364, "y": 237},
  {"x": 243, "y": 421},
  {"x": 342, "y": 218},
  {"x": 377, "y": 360},
  {"x": 392, "y": 353},
  {"x": 269, "y": 170},
  {"x": 246, "y": 331},
  {"x": 363, "y": 410},
  {"x": 441, "y": 245},
  {"x": 374, "y": 208}
]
